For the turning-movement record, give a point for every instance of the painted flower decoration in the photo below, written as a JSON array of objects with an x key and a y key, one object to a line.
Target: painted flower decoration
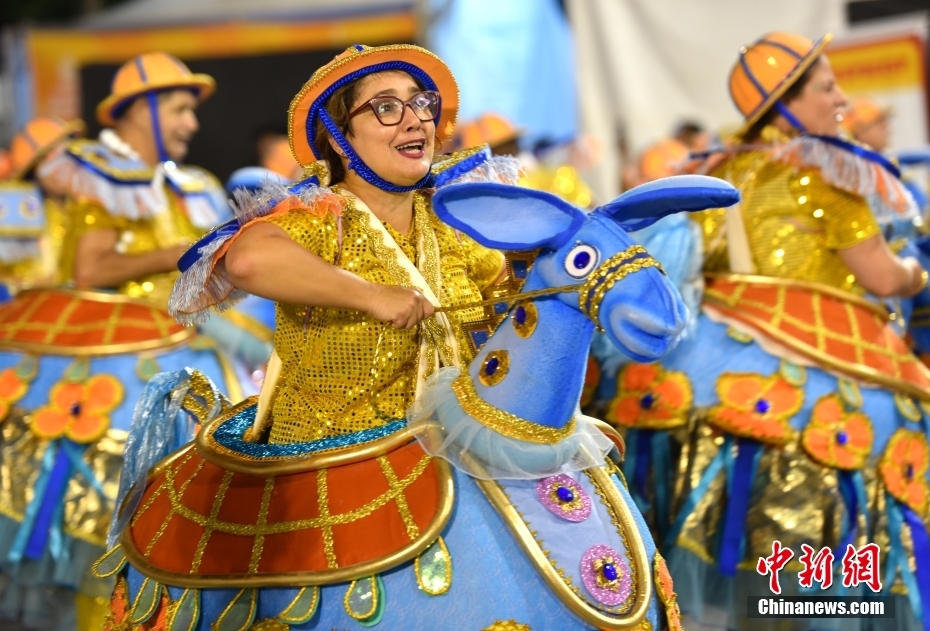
[
  {"x": 79, "y": 411},
  {"x": 650, "y": 397},
  {"x": 837, "y": 438},
  {"x": 12, "y": 389},
  {"x": 903, "y": 468},
  {"x": 756, "y": 407},
  {"x": 665, "y": 587}
]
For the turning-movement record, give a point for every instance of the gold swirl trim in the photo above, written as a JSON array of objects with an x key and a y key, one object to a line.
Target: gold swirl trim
[{"x": 505, "y": 423}]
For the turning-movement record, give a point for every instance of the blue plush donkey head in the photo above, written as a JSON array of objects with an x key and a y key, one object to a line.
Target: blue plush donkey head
[{"x": 637, "y": 306}]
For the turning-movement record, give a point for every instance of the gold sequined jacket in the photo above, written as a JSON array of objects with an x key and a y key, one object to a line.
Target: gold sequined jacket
[
  {"x": 343, "y": 371},
  {"x": 796, "y": 222}
]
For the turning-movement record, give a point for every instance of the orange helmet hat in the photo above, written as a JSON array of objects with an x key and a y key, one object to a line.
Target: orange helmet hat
[
  {"x": 662, "y": 159},
  {"x": 766, "y": 69},
  {"x": 147, "y": 75},
  {"x": 35, "y": 141},
  {"x": 488, "y": 129},
  {"x": 6, "y": 165},
  {"x": 354, "y": 63},
  {"x": 862, "y": 113}
]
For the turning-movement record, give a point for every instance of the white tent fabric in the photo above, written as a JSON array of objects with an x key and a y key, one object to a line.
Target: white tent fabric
[
  {"x": 644, "y": 65},
  {"x": 154, "y": 12}
]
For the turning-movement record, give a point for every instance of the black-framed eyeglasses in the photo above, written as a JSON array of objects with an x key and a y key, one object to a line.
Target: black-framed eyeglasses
[{"x": 389, "y": 110}]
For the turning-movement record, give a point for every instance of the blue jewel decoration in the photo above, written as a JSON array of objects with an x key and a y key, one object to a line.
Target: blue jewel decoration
[
  {"x": 581, "y": 260},
  {"x": 491, "y": 366},
  {"x": 565, "y": 494},
  {"x": 520, "y": 315},
  {"x": 75, "y": 409},
  {"x": 647, "y": 400},
  {"x": 763, "y": 406},
  {"x": 842, "y": 437},
  {"x": 909, "y": 471},
  {"x": 609, "y": 570}
]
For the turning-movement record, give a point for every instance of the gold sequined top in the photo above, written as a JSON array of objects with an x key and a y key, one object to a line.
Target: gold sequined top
[
  {"x": 163, "y": 230},
  {"x": 342, "y": 371},
  {"x": 794, "y": 220}
]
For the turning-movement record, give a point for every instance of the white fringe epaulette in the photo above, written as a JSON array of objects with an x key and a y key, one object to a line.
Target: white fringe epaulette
[
  {"x": 201, "y": 286},
  {"x": 497, "y": 169},
  {"x": 886, "y": 194},
  {"x": 128, "y": 188}
]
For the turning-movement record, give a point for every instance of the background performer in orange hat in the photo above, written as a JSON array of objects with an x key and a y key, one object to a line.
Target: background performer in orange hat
[
  {"x": 795, "y": 401},
  {"x": 73, "y": 362}
]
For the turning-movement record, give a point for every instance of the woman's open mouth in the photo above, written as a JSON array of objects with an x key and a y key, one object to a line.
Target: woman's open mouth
[{"x": 413, "y": 149}]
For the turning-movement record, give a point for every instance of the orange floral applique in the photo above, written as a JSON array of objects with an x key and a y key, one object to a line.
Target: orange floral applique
[
  {"x": 837, "y": 438},
  {"x": 650, "y": 397},
  {"x": 756, "y": 407},
  {"x": 665, "y": 587},
  {"x": 12, "y": 389},
  {"x": 903, "y": 468},
  {"x": 80, "y": 411}
]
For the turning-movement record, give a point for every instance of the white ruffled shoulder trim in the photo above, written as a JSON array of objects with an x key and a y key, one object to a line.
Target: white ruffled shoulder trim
[
  {"x": 112, "y": 175},
  {"x": 886, "y": 195}
]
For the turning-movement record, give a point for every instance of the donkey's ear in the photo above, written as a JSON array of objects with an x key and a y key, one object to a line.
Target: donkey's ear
[
  {"x": 644, "y": 205},
  {"x": 507, "y": 217}
]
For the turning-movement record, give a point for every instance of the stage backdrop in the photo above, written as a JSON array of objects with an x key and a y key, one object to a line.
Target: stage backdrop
[
  {"x": 888, "y": 65},
  {"x": 259, "y": 65},
  {"x": 644, "y": 65}
]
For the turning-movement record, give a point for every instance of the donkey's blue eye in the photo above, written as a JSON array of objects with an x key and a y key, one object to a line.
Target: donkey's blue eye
[{"x": 581, "y": 260}]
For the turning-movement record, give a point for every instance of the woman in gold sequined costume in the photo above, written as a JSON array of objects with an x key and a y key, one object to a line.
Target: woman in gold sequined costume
[
  {"x": 799, "y": 411},
  {"x": 313, "y": 505}
]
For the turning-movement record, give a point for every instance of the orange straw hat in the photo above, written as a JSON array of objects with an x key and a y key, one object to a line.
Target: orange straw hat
[
  {"x": 149, "y": 73},
  {"x": 862, "y": 113},
  {"x": 489, "y": 129},
  {"x": 358, "y": 61},
  {"x": 36, "y": 139},
  {"x": 766, "y": 70}
]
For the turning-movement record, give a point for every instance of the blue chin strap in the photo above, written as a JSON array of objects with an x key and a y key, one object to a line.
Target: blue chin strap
[
  {"x": 153, "y": 109},
  {"x": 355, "y": 162},
  {"x": 788, "y": 116}
]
